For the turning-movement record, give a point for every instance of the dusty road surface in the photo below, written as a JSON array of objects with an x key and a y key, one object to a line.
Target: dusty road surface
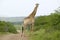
[{"x": 13, "y": 37}]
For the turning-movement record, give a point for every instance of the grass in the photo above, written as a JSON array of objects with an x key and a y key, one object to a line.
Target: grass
[
  {"x": 42, "y": 35},
  {"x": 4, "y": 33}
]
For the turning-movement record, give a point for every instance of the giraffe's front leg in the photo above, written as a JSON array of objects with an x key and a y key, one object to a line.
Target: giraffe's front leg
[{"x": 32, "y": 27}]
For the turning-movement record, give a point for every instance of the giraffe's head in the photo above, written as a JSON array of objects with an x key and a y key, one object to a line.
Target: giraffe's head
[{"x": 37, "y": 4}]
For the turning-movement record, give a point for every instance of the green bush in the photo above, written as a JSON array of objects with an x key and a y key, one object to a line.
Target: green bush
[
  {"x": 47, "y": 27},
  {"x": 7, "y": 27},
  {"x": 47, "y": 22},
  {"x": 42, "y": 35}
]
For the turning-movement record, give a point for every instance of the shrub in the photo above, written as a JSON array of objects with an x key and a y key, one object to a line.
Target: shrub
[{"x": 7, "y": 27}]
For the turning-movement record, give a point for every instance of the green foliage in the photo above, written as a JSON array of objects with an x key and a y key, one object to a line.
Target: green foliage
[
  {"x": 42, "y": 35},
  {"x": 47, "y": 22},
  {"x": 7, "y": 27},
  {"x": 47, "y": 27}
]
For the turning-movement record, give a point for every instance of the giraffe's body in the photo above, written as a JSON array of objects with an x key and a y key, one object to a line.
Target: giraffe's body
[{"x": 30, "y": 19}]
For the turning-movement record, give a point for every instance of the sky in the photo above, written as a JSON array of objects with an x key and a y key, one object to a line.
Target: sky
[{"x": 18, "y": 8}]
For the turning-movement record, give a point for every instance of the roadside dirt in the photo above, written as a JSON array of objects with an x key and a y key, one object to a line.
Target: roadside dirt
[{"x": 14, "y": 37}]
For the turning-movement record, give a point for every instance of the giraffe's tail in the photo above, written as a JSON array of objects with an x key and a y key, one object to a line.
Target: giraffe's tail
[{"x": 22, "y": 29}]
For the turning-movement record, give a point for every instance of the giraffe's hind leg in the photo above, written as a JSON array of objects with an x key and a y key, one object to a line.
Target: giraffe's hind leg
[{"x": 23, "y": 30}]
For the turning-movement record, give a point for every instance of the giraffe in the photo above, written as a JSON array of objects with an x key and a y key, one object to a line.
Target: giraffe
[{"x": 30, "y": 19}]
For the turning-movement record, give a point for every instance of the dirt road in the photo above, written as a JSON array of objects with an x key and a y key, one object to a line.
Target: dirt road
[{"x": 13, "y": 37}]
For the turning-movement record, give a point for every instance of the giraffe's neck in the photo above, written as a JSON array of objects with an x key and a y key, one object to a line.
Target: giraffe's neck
[{"x": 34, "y": 12}]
